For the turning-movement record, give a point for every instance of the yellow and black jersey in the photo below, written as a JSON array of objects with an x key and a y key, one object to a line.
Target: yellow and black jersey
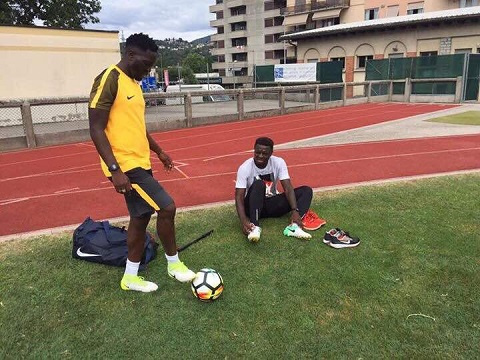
[{"x": 116, "y": 92}]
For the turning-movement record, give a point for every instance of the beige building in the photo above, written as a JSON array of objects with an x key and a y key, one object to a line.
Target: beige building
[
  {"x": 247, "y": 34},
  {"x": 354, "y": 31},
  {"x": 39, "y": 62}
]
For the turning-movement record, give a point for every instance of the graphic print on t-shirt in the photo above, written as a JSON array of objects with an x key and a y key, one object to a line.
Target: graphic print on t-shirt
[{"x": 268, "y": 180}]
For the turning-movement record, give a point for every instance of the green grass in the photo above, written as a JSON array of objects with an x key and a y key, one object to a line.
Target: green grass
[
  {"x": 284, "y": 298},
  {"x": 465, "y": 118}
]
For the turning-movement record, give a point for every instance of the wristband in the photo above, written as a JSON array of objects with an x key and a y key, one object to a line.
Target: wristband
[{"x": 296, "y": 209}]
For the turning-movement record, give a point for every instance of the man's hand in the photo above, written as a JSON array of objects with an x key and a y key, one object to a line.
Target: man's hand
[
  {"x": 121, "y": 182},
  {"x": 166, "y": 160},
  {"x": 296, "y": 218},
  {"x": 247, "y": 226}
]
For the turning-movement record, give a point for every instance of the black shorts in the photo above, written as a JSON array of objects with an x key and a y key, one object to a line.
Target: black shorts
[{"x": 147, "y": 195}]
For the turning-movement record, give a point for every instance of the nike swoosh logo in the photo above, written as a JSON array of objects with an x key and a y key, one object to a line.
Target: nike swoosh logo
[
  {"x": 82, "y": 254},
  {"x": 129, "y": 97}
]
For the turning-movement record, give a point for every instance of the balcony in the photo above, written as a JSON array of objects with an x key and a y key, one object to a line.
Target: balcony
[
  {"x": 315, "y": 6},
  {"x": 217, "y": 51},
  {"x": 217, "y": 37},
  {"x": 215, "y": 8},
  {"x": 217, "y": 22}
]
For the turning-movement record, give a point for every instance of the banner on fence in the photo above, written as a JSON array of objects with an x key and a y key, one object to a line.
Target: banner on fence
[{"x": 295, "y": 72}]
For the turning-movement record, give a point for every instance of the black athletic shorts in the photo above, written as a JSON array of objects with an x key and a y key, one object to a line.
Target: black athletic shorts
[{"x": 147, "y": 195}]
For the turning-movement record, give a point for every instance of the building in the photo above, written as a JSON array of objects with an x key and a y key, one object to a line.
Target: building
[
  {"x": 247, "y": 34},
  {"x": 354, "y": 31},
  {"x": 40, "y": 62}
]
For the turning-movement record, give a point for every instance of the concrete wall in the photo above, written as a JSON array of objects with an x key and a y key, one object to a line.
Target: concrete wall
[{"x": 39, "y": 62}]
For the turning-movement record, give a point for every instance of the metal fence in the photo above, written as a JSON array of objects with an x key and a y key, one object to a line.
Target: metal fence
[{"x": 43, "y": 122}]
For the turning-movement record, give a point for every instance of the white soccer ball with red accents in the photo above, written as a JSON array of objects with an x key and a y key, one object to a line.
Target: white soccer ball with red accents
[{"x": 207, "y": 285}]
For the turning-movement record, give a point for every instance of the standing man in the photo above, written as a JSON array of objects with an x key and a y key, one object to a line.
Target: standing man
[
  {"x": 256, "y": 195},
  {"x": 117, "y": 128}
]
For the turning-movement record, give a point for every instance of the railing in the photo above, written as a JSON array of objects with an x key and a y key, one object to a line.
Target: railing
[
  {"x": 42, "y": 122},
  {"x": 315, "y": 5}
]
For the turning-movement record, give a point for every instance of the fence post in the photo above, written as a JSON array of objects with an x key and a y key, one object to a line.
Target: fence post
[
  {"x": 390, "y": 90},
  {"x": 369, "y": 89},
  {"x": 188, "y": 109},
  {"x": 240, "y": 104},
  {"x": 458, "y": 90},
  {"x": 28, "y": 125},
  {"x": 317, "y": 97},
  {"x": 282, "y": 100},
  {"x": 344, "y": 94},
  {"x": 408, "y": 90}
]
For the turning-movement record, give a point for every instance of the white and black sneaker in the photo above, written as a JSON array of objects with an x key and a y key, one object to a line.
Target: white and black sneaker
[{"x": 341, "y": 239}]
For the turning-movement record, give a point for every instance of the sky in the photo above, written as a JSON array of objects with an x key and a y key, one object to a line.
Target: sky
[{"x": 160, "y": 19}]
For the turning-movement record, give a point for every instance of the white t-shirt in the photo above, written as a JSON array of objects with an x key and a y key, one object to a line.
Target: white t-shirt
[{"x": 275, "y": 170}]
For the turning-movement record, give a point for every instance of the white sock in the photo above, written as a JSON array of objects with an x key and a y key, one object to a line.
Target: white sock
[
  {"x": 173, "y": 258},
  {"x": 132, "y": 268}
]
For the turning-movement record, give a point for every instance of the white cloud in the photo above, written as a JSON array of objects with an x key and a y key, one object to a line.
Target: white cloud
[{"x": 160, "y": 19}]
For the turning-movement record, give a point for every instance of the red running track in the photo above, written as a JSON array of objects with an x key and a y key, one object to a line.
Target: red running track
[{"x": 61, "y": 185}]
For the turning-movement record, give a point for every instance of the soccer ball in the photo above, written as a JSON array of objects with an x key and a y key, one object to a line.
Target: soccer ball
[{"x": 207, "y": 285}]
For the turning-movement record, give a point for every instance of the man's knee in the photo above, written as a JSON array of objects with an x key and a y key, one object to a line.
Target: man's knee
[
  {"x": 305, "y": 191},
  {"x": 168, "y": 211}
]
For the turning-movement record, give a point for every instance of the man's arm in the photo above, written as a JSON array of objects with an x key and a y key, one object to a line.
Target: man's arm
[
  {"x": 292, "y": 201},
  {"x": 98, "y": 120},
  {"x": 240, "y": 206},
  {"x": 163, "y": 156}
]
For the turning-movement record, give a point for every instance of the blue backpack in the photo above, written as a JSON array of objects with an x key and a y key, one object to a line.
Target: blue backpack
[{"x": 100, "y": 242}]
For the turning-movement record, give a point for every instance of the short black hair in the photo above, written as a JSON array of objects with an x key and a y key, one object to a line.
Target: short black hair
[
  {"x": 265, "y": 141},
  {"x": 141, "y": 41}
]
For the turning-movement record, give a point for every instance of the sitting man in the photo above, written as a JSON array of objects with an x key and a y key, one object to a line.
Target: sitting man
[{"x": 256, "y": 195}]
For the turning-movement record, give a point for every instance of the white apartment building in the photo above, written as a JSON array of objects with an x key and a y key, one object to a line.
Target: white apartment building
[{"x": 247, "y": 34}]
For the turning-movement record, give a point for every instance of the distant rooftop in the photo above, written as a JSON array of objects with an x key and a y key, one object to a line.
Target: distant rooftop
[{"x": 429, "y": 17}]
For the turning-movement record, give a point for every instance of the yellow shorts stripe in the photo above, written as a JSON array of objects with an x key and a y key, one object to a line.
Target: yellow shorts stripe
[{"x": 146, "y": 197}]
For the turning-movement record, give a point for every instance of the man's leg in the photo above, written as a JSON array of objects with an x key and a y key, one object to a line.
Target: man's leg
[
  {"x": 166, "y": 232},
  {"x": 304, "y": 196},
  {"x": 278, "y": 205},
  {"x": 135, "y": 244},
  {"x": 255, "y": 201},
  {"x": 166, "y": 228}
]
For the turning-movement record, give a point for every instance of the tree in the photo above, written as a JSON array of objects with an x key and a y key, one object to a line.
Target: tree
[
  {"x": 69, "y": 14},
  {"x": 196, "y": 62}
]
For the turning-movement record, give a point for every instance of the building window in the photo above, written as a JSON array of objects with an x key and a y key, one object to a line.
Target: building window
[
  {"x": 342, "y": 59},
  {"x": 312, "y": 60},
  {"x": 239, "y": 26},
  {"x": 239, "y": 57},
  {"x": 327, "y": 22},
  {"x": 428, "y": 53},
  {"x": 362, "y": 61},
  {"x": 220, "y": 30},
  {"x": 268, "y": 39},
  {"x": 468, "y": 3},
  {"x": 415, "y": 8},
  {"x": 239, "y": 43},
  {"x": 395, "y": 55},
  {"x": 238, "y": 10},
  {"x": 463, "y": 51},
  {"x": 221, "y": 58},
  {"x": 221, "y": 72},
  {"x": 268, "y": 54},
  {"x": 220, "y": 44},
  {"x": 268, "y": 22},
  {"x": 371, "y": 14},
  {"x": 393, "y": 10},
  {"x": 219, "y": 15}
]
